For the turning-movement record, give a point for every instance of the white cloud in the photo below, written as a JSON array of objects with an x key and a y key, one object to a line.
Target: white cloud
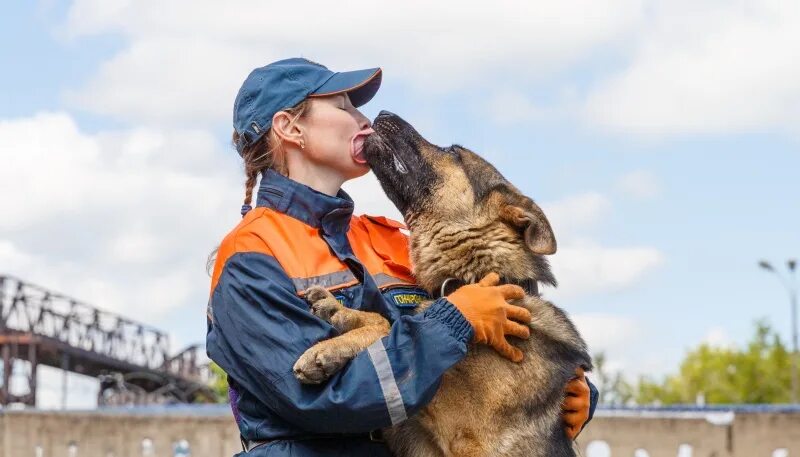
[
  {"x": 122, "y": 220},
  {"x": 185, "y": 81},
  {"x": 687, "y": 67},
  {"x": 185, "y": 60},
  {"x": 586, "y": 268},
  {"x": 583, "y": 266},
  {"x": 135, "y": 246},
  {"x": 606, "y": 332},
  {"x": 707, "y": 67},
  {"x": 576, "y": 213},
  {"x": 718, "y": 337},
  {"x": 614, "y": 335},
  {"x": 44, "y": 168},
  {"x": 640, "y": 184},
  {"x": 11, "y": 255}
]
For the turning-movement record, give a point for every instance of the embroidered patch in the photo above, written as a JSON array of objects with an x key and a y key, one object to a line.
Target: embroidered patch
[{"x": 407, "y": 298}]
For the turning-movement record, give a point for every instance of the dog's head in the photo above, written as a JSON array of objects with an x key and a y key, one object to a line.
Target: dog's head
[{"x": 457, "y": 191}]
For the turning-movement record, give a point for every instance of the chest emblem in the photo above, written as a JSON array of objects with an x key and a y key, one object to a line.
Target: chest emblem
[{"x": 407, "y": 298}]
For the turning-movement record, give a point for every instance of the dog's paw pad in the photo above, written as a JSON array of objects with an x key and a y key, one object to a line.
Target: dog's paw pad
[
  {"x": 307, "y": 371},
  {"x": 316, "y": 365}
]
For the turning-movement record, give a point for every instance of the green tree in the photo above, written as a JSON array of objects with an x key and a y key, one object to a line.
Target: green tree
[
  {"x": 219, "y": 383},
  {"x": 758, "y": 373},
  {"x": 614, "y": 390}
]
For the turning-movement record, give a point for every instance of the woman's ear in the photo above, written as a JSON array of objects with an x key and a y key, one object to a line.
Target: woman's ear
[
  {"x": 288, "y": 131},
  {"x": 527, "y": 216}
]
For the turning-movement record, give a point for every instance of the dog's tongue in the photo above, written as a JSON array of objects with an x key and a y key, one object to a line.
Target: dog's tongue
[{"x": 357, "y": 146}]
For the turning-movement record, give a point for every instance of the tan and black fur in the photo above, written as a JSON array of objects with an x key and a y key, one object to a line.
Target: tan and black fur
[{"x": 465, "y": 220}]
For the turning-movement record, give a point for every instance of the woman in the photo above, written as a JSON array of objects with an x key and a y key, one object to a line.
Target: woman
[{"x": 297, "y": 125}]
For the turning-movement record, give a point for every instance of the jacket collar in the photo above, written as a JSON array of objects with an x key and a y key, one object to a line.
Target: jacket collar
[{"x": 285, "y": 195}]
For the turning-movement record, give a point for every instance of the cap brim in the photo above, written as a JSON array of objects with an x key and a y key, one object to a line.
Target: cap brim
[{"x": 360, "y": 85}]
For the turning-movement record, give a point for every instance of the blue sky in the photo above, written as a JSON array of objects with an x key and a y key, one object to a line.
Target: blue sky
[{"x": 667, "y": 162}]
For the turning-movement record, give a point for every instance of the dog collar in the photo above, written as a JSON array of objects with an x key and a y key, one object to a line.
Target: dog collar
[{"x": 531, "y": 286}]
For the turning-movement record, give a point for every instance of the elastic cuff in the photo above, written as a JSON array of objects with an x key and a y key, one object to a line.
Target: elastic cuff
[{"x": 446, "y": 313}]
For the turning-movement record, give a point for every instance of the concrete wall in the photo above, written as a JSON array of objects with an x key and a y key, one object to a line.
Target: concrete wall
[
  {"x": 659, "y": 437},
  {"x": 212, "y": 433},
  {"x": 115, "y": 435},
  {"x": 714, "y": 434}
]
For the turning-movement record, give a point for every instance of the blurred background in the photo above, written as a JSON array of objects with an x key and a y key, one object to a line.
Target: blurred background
[{"x": 660, "y": 137}]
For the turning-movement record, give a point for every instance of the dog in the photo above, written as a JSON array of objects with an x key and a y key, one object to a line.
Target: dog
[{"x": 465, "y": 221}]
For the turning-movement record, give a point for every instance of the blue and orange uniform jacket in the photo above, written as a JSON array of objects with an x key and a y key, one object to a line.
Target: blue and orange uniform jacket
[{"x": 259, "y": 324}]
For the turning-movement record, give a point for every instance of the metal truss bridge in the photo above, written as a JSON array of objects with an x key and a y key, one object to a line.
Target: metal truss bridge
[{"x": 131, "y": 360}]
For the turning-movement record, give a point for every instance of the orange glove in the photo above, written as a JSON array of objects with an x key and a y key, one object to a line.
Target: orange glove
[
  {"x": 575, "y": 408},
  {"x": 484, "y": 306}
]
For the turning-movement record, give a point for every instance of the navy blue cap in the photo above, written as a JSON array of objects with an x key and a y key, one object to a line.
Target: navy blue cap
[{"x": 285, "y": 83}]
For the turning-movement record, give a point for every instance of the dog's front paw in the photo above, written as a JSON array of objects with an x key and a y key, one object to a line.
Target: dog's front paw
[
  {"x": 319, "y": 363},
  {"x": 316, "y": 293},
  {"x": 323, "y": 304}
]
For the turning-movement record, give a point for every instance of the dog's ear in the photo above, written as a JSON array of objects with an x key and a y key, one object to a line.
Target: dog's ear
[{"x": 527, "y": 216}]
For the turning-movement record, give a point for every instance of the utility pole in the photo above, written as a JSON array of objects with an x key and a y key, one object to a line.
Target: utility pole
[{"x": 790, "y": 283}]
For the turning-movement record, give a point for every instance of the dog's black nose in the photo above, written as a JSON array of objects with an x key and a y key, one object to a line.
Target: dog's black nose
[
  {"x": 384, "y": 114},
  {"x": 386, "y": 120}
]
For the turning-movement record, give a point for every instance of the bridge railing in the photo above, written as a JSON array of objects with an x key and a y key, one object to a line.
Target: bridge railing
[
  {"x": 187, "y": 363},
  {"x": 27, "y": 308}
]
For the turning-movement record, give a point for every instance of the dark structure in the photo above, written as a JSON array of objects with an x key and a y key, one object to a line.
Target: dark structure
[{"x": 130, "y": 359}]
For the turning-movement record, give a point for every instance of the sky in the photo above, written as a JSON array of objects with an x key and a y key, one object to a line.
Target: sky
[{"x": 660, "y": 137}]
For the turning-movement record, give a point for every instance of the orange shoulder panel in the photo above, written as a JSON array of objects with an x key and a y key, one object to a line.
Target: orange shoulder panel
[
  {"x": 297, "y": 247},
  {"x": 300, "y": 249},
  {"x": 243, "y": 238},
  {"x": 378, "y": 242}
]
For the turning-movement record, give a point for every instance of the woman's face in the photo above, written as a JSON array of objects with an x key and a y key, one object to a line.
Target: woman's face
[{"x": 334, "y": 132}]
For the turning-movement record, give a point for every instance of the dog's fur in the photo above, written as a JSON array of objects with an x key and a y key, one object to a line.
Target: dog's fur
[{"x": 465, "y": 220}]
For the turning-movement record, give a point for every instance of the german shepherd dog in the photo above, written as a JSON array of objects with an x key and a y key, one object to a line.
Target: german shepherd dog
[{"x": 466, "y": 221}]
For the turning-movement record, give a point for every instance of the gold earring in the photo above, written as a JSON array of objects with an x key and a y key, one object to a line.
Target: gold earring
[{"x": 302, "y": 144}]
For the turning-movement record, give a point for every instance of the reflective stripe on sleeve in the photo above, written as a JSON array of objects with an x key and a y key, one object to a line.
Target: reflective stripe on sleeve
[
  {"x": 328, "y": 280},
  {"x": 391, "y": 394},
  {"x": 382, "y": 279},
  {"x": 344, "y": 277}
]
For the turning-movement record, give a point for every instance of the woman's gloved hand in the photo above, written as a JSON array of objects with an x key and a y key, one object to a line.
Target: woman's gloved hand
[
  {"x": 484, "y": 305},
  {"x": 575, "y": 408}
]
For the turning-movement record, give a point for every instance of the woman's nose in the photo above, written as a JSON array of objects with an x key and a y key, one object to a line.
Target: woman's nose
[{"x": 363, "y": 121}]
